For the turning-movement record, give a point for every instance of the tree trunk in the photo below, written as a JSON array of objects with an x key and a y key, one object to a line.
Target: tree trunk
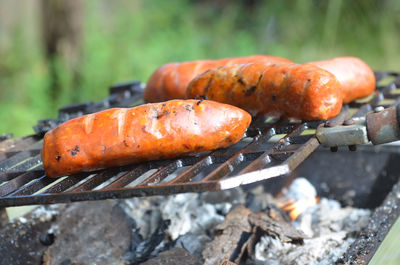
[{"x": 62, "y": 28}]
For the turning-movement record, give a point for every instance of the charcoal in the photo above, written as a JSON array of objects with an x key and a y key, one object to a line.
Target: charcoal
[
  {"x": 193, "y": 243},
  {"x": 230, "y": 236},
  {"x": 146, "y": 249},
  {"x": 333, "y": 229},
  {"x": 276, "y": 226},
  {"x": 90, "y": 233},
  {"x": 46, "y": 239},
  {"x": 175, "y": 256},
  {"x": 19, "y": 242}
]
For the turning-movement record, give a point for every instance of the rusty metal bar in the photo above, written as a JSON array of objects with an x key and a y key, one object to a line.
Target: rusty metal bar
[{"x": 34, "y": 186}]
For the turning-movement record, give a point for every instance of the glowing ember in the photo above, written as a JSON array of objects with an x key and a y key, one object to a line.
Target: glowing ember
[
  {"x": 300, "y": 196},
  {"x": 295, "y": 208}
]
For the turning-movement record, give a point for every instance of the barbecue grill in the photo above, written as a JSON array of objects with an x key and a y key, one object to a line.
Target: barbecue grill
[{"x": 271, "y": 147}]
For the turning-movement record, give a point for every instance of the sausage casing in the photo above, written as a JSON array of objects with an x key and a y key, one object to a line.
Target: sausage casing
[
  {"x": 293, "y": 90},
  {"x": 355, "y": 76},
  {"x": 170, "y": 80},
  {"x": 121, "y": 136}
]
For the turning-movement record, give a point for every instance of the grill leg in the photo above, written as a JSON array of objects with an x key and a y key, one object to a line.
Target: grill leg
[{"x": 3, "y": 217}]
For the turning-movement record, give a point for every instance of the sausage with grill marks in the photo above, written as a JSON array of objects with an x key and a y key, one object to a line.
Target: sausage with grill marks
[
  {"x": 293, "y": 90},
  {"x": 170, "y": 80},
  {"x": 121, "y": 136}
]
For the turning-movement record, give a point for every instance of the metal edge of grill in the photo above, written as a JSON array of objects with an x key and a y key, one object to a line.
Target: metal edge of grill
[{"x": 270, "y": 149}]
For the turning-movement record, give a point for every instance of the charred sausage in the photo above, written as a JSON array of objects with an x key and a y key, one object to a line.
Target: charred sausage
[
  {"x": 293, "y": 90},
  {"x": 121, "y": 136},
  {"x": 355, "y": 76},
  {"x": 170, "y": 80}
]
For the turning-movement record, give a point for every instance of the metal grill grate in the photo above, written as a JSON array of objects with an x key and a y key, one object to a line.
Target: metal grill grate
[{"x": 271, "y": 148}]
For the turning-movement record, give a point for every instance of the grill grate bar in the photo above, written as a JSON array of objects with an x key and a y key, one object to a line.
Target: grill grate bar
[
  {"x": 95, "y": 180},
  {"x": 18, "y": 182},
  {"x": 34, "y": 186},
  {"x": 18, "y": 159},
  {"x": 127, "y": 178},
  {"x": 161, "y": 173},
  {"x": 66, "y": 183},
  {"x": 191, "y": 172}
]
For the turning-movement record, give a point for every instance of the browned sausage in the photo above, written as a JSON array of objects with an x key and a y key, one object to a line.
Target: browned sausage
[
  {"x": 294, "y": 90},
  {"x": 170, "y": 80},
  {"x": 122, "y": 136},
  {"x": 355, "y": 76}
]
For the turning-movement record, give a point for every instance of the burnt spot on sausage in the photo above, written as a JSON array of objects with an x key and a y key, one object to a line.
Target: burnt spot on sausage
[
  {"x": 240, "y": 80},
  {"x": 75, "y": 151},
  {"x": 198, "y": 102},
  {"x": 250, "y": 91},
  {"x": 186, "y": 146},
  {"x": 208, "y": 85},
  {"x": 189, "y": 107},
  {"x": 58, "y": 158},
  {"x": 229, "y": 139},
  {"x": 199, "y": 147},
  {"x": 165, "y": 113},
  {"x": 125, "y": 143},
  {"x": 259, "y": 79},
  {"x": 308, "y": 80},
  {"x": 274, "y": 97}
]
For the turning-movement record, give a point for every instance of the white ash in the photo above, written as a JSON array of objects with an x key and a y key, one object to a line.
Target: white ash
[
  {"x": 41, "y": 214},
  {"x": 333, "y": 231},
  {"x": 196, "y": 213},
  {"x": 300, "y": 189}
]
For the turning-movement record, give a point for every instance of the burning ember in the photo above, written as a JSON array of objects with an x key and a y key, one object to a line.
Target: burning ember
[
  {"x": 295, "y": 208},
  {"x": 301, "y": 196}
]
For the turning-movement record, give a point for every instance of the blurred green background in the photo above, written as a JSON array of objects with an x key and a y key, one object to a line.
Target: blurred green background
[{"x": 53, "y": 53}]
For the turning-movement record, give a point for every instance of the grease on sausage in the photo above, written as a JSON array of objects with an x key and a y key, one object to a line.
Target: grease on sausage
[
  {"x": 293, "y": 90},
  {"x": 121, "y": 136},
  {"x": 170, "y": 80}
]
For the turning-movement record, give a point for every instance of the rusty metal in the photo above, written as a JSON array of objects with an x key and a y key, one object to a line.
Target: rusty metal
[
  {"x": 380, "y": 126},
  {"x": 3, "y": 217},
  {"x": 343, "y": 134},
  {"x": 383, "y": 125},
  {"x": 339, "y": 119},
  {"x": 367, "y": 243}
]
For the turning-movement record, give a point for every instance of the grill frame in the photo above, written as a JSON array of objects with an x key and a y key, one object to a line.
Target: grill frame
[{"x": 271, "y": 148}]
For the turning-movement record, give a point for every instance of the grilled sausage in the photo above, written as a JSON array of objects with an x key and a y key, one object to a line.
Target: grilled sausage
[
  {"x": 293, "y": 90},
  {"x": 355, "y": 76},
  {"x": 170, "y": 80},
  {"x": 121, "y": 136}
]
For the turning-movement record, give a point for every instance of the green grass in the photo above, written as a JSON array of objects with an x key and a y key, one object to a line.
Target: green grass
[
  {"x": 129, "y": 39},
  {"x": 388, "y": 252}
]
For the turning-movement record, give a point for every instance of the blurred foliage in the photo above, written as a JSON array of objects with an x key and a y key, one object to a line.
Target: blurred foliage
[{"x": 126, "y": 40}]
